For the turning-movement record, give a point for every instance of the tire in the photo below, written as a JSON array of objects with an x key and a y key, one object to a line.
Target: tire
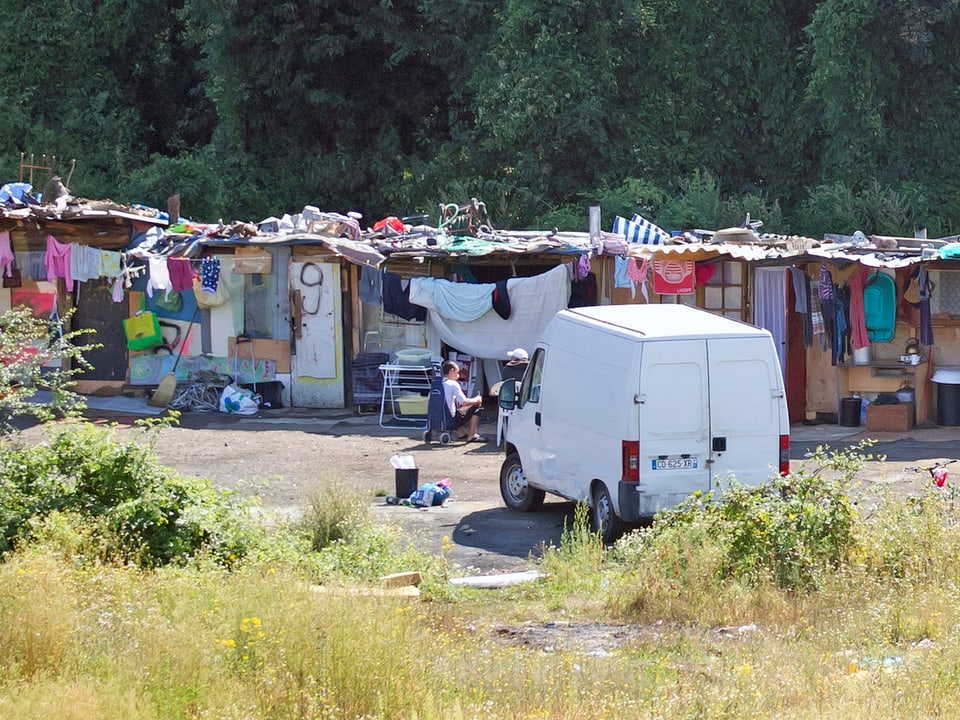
[
  {"x": 427, "y": 436},
  {"x": 603, "y": 518},
  {"x": 444, "y": 438},
  {"x": 516, "y": 494}
]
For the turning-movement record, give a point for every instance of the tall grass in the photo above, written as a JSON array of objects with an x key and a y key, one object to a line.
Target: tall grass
[
  {"x": 261, "y": 643},
  {"x": 859, "y": 621}
]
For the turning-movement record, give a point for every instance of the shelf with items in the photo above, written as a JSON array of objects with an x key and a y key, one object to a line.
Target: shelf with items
[
  {"x": 884, "y": 376},
  {"x": 403, "y": 386}
]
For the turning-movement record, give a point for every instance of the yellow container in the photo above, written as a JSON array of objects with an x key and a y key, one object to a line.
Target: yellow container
[{"x": 412, "y": 404}]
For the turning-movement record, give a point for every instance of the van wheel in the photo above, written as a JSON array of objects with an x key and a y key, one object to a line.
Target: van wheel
[
  {"x": 514, "y": 490},
  {"x": 603, "y": 517}
]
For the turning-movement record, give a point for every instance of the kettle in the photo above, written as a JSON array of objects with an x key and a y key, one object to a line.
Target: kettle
[{"x": 913, "y": 347}]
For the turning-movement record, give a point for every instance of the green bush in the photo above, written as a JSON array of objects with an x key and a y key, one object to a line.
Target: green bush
[
  {"x": 791, "y": 530},
  {"x": 138, "y": 510},
  {"x": 333, "y": 513}
]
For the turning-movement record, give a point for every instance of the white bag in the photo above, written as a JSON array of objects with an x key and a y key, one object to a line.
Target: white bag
[{"x": 238, "y": 401}]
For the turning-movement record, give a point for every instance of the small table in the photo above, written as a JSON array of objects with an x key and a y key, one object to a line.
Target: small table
[{"x": 397, "y": 381}]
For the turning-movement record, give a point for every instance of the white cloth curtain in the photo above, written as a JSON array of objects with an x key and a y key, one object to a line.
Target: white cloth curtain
[{"x": 770, "y": 308}]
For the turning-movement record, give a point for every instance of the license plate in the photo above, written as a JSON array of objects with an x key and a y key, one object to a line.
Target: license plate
[{"x": 675, "y": 464}]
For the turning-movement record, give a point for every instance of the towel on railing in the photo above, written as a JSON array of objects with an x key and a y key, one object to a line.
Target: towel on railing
[{"x": 640, "y": 230}]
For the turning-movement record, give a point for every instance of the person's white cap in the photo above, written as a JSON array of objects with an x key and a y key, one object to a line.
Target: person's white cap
[{"x": 518, "y": 354}]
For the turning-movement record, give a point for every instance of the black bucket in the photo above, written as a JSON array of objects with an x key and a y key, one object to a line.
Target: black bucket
[
  {"x": 948, "y": 404},
  {"x": 407, "y": 481},
  {"x": 850, "y": 412}
]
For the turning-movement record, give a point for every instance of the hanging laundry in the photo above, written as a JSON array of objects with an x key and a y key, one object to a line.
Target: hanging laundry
[
  {"x": 6, "y": 254},
  {"x": 639, "y": 275},
  {"x": 210, "y": 274},
  {"x": 816, "y": 314},
  {"x": 159, "y": 278},
  {"x": 84, "y": 262},
  {"x": 454, "y": 300},
  {"x": 181, "y": 276},
  {"x": 109, "y": 265},
  {"x": 621, "y": 277},
  {"x": 799, "y": 279},
  {"x": 583, "y": 266},
  {"x": 396, "y": 298},
  {"x": 926, "y": 320},
  {"x": 841, "y": 324},
  {"x": 501, "y": 300},
  {"x": 827, "y": 295},
  {"x": 370, "y": 285},
  {"x": 801, "y": 292},
  {"x": 130, "y": 269},
  {"x": 57, "y": 262},
  {"x": 858, "y": 326}
]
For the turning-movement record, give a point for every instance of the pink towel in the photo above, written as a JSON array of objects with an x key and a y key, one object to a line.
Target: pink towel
[{"x": 57, "y": 261}]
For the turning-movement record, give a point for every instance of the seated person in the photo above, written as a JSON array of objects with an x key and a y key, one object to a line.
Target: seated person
[
  {"x": 516, "y": 365},
  {"x": 466, "y": 411}
]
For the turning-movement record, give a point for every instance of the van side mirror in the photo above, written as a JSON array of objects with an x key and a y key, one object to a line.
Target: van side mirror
[{"x": 507, "y": 399}]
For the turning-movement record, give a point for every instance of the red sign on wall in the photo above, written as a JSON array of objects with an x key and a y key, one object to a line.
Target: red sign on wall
[{"x": 673, "y": 277}]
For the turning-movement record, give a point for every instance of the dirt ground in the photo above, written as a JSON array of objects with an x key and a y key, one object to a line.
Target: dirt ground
[{"x": 283, "y": 457}]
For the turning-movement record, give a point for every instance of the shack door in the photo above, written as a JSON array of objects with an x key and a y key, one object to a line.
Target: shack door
[
  {"x": 96, "y": 310},
  {"x": 316, "y": 371}
]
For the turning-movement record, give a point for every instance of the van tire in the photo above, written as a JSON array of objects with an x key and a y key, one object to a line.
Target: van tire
[
  {"x": 516, "y": 493},
  {"x": 603, "y": 518}
]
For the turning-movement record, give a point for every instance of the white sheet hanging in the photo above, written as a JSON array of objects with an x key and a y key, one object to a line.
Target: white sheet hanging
[{"x": 533, "y": 302}]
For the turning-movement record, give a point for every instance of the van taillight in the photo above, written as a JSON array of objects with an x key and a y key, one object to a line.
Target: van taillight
[
  {"x": 631, "y": 461},
  {"x": 784, "y": 454}
]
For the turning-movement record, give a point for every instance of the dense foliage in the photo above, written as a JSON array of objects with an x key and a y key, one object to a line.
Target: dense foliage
[
  {"x": 107, "y": 499},
  {"x": 817, "y": 117}
]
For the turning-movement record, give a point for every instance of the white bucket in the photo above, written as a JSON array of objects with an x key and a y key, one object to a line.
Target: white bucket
[{"x": 861, "y": 355}]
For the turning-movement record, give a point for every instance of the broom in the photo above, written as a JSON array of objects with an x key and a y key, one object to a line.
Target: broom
[{"x": 168, "y": 383}]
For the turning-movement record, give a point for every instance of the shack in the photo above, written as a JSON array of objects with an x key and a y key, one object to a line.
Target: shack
[{"x": 307, "y": 307}]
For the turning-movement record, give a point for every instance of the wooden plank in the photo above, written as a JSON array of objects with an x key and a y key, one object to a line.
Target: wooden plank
[{"x": 263, "y": 349}]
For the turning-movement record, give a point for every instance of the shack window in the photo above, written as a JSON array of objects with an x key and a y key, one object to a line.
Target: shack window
[
  {"x": 724, "y": 293},
  {"x": 945, "y": 298},
  {"x": 259, "y": 304}
]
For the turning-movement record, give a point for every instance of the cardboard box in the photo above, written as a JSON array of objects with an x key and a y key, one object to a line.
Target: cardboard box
[{"x": 890, "y": 418}]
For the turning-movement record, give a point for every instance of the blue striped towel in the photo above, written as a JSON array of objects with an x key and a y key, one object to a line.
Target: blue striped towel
[{"x": 640, "y": 230}]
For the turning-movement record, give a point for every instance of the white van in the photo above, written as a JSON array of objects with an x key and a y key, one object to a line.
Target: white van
[{"x": 634, "y": 407}]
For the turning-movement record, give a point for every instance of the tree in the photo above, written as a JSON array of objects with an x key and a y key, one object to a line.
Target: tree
[{"x": 28, "y": 346}]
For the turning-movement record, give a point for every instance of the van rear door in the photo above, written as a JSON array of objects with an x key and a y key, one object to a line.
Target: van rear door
[
  {"x": 674, "y": 422},
  {"x": 747, "y": 407}
]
